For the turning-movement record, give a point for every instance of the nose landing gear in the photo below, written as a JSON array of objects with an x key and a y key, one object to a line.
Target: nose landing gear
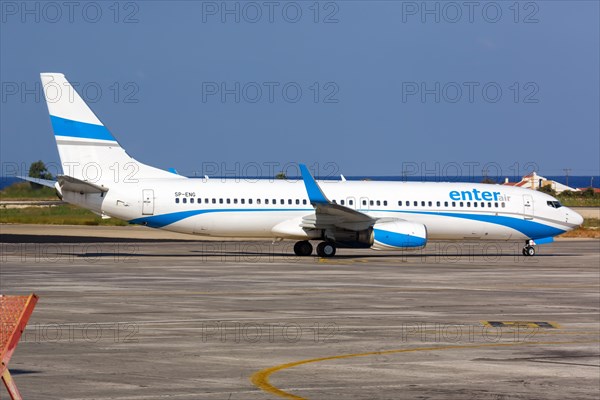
[{"x": 529, "y": 250}]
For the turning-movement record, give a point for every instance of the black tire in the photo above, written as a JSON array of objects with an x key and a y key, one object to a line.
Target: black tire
[
  {"x": 303, "y": 248},
  {"x": 530, "y": 251},
  {"x": 326, "y": 249}
]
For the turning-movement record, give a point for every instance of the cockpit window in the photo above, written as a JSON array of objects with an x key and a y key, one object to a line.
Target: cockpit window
[{"x": 554, "y": 204}]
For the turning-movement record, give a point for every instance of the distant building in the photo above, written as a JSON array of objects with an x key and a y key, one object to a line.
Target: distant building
[{"x": 534, "y": 181}]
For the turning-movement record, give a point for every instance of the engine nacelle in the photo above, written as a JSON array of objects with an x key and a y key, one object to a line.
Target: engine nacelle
[{"x": 398, "y": 235}]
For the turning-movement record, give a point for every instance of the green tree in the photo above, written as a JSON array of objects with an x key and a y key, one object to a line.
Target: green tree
[
  {"x": 39, "y": 170},
  {"x": 589, "y": 192},
  {"x": 547, "y": 189}
]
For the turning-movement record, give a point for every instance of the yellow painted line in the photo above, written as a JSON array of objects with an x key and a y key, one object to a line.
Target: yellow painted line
[{"x": 260, "y": 379}]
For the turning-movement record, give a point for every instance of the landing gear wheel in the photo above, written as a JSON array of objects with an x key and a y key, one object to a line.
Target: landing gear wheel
[
  {"x": 528, "y": 251},
  {"x": 303, "y": 248},
  {"x": 326, "y": 249}
]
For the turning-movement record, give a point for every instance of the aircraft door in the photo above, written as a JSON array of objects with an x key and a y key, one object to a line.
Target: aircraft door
[
  {"x": 528, "y": 206},
  {"x": 363, "y": 204},
  {"x": 147, "y": 202}
]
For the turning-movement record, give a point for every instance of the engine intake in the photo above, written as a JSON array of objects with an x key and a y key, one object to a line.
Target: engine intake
[{"x": 397, "y": 235}]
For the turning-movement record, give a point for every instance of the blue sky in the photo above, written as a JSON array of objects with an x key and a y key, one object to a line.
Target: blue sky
[{"x": 371, "y": 87}]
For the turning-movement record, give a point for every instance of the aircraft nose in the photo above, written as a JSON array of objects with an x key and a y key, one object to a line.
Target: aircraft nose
[{"x": 574, "y": 218}]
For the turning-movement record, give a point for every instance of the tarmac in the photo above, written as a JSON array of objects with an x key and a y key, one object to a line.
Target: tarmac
[{"x": 130, "y": 313}]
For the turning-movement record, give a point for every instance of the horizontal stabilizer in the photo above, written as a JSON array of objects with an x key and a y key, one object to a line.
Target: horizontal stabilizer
[
  {"x": 44, "y": 182},
  {"x": 77, "y": 185}
]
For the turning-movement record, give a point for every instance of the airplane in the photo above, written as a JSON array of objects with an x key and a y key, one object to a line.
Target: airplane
[{"x": 100, "y": 176}]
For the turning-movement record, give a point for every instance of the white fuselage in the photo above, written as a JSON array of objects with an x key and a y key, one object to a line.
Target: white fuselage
[{"x": 275, "y": 208}]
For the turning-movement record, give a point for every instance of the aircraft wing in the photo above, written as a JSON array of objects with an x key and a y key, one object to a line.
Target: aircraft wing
[{"x": 328, "y": 214}]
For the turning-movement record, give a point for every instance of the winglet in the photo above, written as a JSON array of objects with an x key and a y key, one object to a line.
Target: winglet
[{"x": 315, "y": 194}]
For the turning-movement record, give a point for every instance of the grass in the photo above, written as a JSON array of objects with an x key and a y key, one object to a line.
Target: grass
[
  {"x": 55, "y": 215},
  {"x": 24, "y": 191},
  {"x": 570, "y": 201},
  {"x": 589, "y": 229}
]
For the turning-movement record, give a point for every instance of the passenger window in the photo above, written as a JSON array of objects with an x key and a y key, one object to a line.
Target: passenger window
[
  {"x": 503, "y": 204},
  {"x": 474, "y": 204},
  {"x": 430, "y": 204},
  {"x": 220, "y": 201},
  {"x": 184, "y": 200},
  {"x": 453, "y": 204},
  {"x": 364, "y": 202},
  {"x": 282, "y": 201},
  {"x": 468, "y": 204},
  {"x": 192, "y": 200},
  {"x": 334, "y": 201},
  {"x": 415, "y": 203},
  {"x": 351, "y": 202},
  {"x": 343, "y": 202},
  {"x": 422, "y": 204},
  {"x": 228, "y": 201},
  {"x": 490, "y": 205},
  {"x": 243, "y": 201},
  {"x": 462, "y": 204},
  {"x": 445, "y": 204},
  {"x": 249, "y": 201},
  {"x": 257, "y": 201},
  {"x": 400, "y": 202},
  {"x": 297, "y": 202},
  {"x": 378, "y": 202},
  {"x": 496, "y": 205},
  {"x": 385, "y": 202},
  {"x": 214, "y": 201},
  {"x": 482, "y": 204},
  {"x": 371, "y": 202},
  {"x": 290, "y": 201},
  {"x": 199, "y": 200},
  {"x": 304, "y": 201},
  {"x": 234, "y": 201},
  {"x": 266, "y": 201},
  {"x": 206, "y": 201},
  {"x": 177, "y": 200},
  {"x": 439, "y": 203}
]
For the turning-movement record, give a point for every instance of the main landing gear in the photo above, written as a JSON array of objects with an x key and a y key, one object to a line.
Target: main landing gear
[
  {"x": 529, "y": 250},
  {"x": 303, "y": 248},
  {"x": 324, "y": 249}
]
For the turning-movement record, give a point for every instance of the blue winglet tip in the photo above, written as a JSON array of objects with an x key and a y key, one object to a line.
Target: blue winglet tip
[{"x": 315, "y": 194}]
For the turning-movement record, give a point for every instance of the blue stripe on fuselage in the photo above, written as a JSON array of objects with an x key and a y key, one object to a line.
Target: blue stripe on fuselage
[
  {"x": 531, "y": 229},
  {"x": 160, "y": 221},
  {"x": 68, "y": 127}
]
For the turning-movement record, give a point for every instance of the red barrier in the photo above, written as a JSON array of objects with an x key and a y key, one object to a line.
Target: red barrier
[{"x": 14, "y": 314}]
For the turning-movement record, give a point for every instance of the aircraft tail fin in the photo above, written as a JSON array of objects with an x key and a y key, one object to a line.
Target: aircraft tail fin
[{"x": 87, "y": 149}]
